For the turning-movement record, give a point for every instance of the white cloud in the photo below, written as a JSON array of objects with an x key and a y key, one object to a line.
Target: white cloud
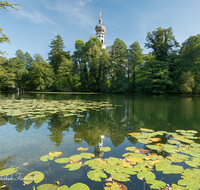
[
  {"x": 34, "y": 16},
  {"x": 75, "y": 11}
]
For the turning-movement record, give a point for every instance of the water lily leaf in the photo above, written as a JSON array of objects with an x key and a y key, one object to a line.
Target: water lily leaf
[
  {"x": 178, "y": 187},
  {"x": 130, "y": 171},
  {"x": 62, "y": 160},
  {"x": 191, "y": 174},
  {"x": 8, "y": 171},
  {"x": 55, "y": 154},
  {"x": 154, "y": 139},
  {"x": 149, "y": 176},
  {"x": 87, "y": 155},
  {"x": 192, "y": 131},
  {"x": 63, "y": 187},
  {"x": 144, "y": 141},
  {"x": 45, "y": 158},
  {"x": 114, "y": 161},
  {"x": 154, "y": 147},
  {"x": 47, "y": 187},
  {"x": 105, "y": 149},
  {"x": 162, "y": 165},
  {"x": 132, "y": 148},
  {"x": 96, "y": 175},
  {"x": 115, "y": 186},
  {"x": 173, "y": 169},
  {"x": 190, "y": 183},
  {"x": 93, "y": 162},
  {"x": 120, "y": 176},
  {"x": 75, "y": 157},
  {"x": 170, "y": 148},
  {"x": 146, "y": 130},
  {"x": 140, "y": 167},
  {"x": 35, "y": 176},
  {"x": 78, "y": 186},
  {"x": 82, "y": 148},
  {"x": 173, "y": 142},
  {"x": 191, "y": 163},
  {"x": 73, "y": 166},
  {"x": 156, "y": 184},
  {"x": 134, "y": 160},
  {"x": 134, "y": 133}
]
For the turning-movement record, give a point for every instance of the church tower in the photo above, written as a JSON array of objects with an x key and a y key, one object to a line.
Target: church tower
[{"x": 100, "y": 32}]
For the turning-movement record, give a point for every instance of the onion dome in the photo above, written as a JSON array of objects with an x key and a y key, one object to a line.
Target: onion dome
[{"x": 100, "y": 27}]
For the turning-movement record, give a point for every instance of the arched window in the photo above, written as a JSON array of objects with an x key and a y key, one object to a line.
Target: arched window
[{"x": 102, "y": 41}]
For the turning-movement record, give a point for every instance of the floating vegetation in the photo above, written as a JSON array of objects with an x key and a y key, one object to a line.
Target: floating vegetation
[
  {"x": 179, "y": 155},
  {"x": 28, "y": 109}
]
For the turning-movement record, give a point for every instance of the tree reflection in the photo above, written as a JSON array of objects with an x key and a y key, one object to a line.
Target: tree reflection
[{"x": 3, "y": 165}]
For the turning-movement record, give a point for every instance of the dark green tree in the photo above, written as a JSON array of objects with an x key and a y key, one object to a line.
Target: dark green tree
[
  {"x": 55, "y": 56},
  {"x": 135, "y": 59},
  {"x": 163, "y": 43}
]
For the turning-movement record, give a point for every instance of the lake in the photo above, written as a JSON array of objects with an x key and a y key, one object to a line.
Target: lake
[{"x": 26, "y": 138}]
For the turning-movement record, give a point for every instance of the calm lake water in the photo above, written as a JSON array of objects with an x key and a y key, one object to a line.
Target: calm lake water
[{"x": 27, "y": 141}]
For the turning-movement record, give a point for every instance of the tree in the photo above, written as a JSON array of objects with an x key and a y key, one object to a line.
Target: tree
[
  {"x": 3, "y": 6},
  {"x": 118, "y": 66},
  {"x": 154, "y": 78},
  {"x": 55, "y": 56},
  {"x": 41, "y": 74},
  {"x": 135, "y": 59},
  {"x": 163, "y": 43}
]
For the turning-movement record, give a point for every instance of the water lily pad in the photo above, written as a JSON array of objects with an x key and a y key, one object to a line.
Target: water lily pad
[
  {"x": 144, "y": 141},
  {"x": 79, "y": 186},
  {"x": 87, "y": 155},
  {"x": 154, "y": 147},
  {"x": 45, "y": 158},
  {"x": 62, "y": 160},
  {"x": 47, "y": 187},
  {"x": 55, "y": 154},
  {"x": 120, "y": 176},
  {"x": 73, "y": 166},
  {"x": 105, "y": 149},
  {"x": 178, "y": 187},
  {"x": 132, "y": 148},
  {"x": 157, "y": 184},
  {"x": 115, "y": 186},
  {"x": 8, "y": 171},
  {"x": 149, "y": 176},
  {"x": 82, "y": 148},
  {"x": 35, "y": 176},
  {"x": 190, "y": 183},
  {"x": 191, "y": 163},
  {"x": 63, "y": 187},
  {"x": 96, "y": 175},
  {"x": 114, "y": 161},
  {"x": 146, "y": 130},
  {"x": 75, "y": 157}
]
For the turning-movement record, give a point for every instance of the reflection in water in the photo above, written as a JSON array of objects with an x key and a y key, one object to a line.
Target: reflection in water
[
  {"x": 3, "y": 165},
  {"x": 97, "y": 151},
  {"x": 155, "y": 112}
]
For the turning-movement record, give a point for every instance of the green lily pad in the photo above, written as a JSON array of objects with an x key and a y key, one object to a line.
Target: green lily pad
[
  {"x": 119, "y": 176},
  {"x": 75, "y": 157},
  {"x": 73, "y": 166},
  {"x": 114, "y": 161},
  {"x": 55, "y": 154},
  {"x": 114, "y": 186},
  {"x": 144, "y": 141},
  {"x": 79, "y": 186},
  {"x": 156, "y": 184},
  {"x": 35, "y": 176},
  {"x": 132, "y": 148},
  {"x": 96, "y": 175},
  {"x": 63, "y": 187},
  {"x": 47, "y": 187},
  {"x": 62, "y": 160},
  {"x": 178, "y": 187},
  {"x": 8, "y": 171},
  {"x": 149, "y": 176},
  {"x": 87, "y": 155},
  {"x": 146, "y": 130},
  {"x": 162, "y": 165},
  {"x": 45, "y": 158},
  {"x": 190, "y": 183},
  {"x": 82, "y": 148},
  {"x": 154, "y": 147},
  {"x": 105, "y": 149},
  {"x": 191, "y": 163}
]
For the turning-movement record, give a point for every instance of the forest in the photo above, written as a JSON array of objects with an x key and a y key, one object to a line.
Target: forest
[{"x": 169, "y": 68}]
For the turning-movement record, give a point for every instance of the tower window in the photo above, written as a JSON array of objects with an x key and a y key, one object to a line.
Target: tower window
[{"x": 102, "y": 41}]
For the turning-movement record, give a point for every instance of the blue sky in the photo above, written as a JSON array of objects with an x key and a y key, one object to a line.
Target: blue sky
[{"x": 33, "y": 27}]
